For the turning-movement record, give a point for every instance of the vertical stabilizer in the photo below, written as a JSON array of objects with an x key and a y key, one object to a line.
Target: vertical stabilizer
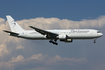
[{"x": 13, "y": 25}]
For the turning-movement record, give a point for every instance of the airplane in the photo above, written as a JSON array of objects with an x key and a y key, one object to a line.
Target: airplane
[{"x": 64, "y": 35}]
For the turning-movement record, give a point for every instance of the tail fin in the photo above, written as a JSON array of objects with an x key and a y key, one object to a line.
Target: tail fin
[{"x": 13, "y": 25}]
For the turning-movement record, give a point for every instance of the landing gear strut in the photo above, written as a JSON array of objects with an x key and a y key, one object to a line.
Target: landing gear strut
[
  {"x": 53, "y": 42},
  {"x": 95, "y": 40}
]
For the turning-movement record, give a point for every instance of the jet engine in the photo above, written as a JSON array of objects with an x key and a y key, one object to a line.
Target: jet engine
[{"x": 65, "y": 38}]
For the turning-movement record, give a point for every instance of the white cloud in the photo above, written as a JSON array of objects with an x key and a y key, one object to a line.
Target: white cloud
[
  {"x": 56, "y": 59},
  {"x": 48, "y": 23},
  {"x": 40, "y": 59},
  {"x": 10, "y": 44},
  {"x": 19, "y": 47},
  {"x": 3, "y": 50},
  {"x": 17, "y": 59}
]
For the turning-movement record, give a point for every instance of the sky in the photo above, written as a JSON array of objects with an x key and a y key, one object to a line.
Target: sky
[{"x": 23, "y": 54}]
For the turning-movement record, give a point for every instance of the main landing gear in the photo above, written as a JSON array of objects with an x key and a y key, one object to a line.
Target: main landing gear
[
  {"x": 53, "y": 42},
  {"x": 95, "y": 40}
]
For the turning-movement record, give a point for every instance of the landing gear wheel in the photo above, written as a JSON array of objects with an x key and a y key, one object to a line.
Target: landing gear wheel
[
  {"x": 50, "y": 41},
  {"x": 56, "y": 43},
  {"x": 53, "y": 42},
  {"x": 95, "y": 40}
]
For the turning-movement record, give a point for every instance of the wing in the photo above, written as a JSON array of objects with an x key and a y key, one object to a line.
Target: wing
[
  {"x": 10, "y": 32},
  {"x": 44, "y": 32}
]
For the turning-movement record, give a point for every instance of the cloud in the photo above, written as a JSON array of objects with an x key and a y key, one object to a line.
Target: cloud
[
  {"x": 17, "y": 59},
  {"x": 51, "y": 23},
  {"x": 56, "y": 60},
  {"x": 19, "y": 47},
  {"x": 3, "y": 49},
  {"x": 39, "y": 59},
  {"x": 13, "y": 57}
]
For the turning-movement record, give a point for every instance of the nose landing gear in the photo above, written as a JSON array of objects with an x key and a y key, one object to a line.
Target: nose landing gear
[{"x": 95, "y": 40}]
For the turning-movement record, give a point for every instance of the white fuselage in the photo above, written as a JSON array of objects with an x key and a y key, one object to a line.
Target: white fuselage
[{"x": 71, "y": 33}]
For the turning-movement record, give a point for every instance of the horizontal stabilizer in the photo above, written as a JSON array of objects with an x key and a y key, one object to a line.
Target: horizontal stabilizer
[{"x": 10, "y": 32}]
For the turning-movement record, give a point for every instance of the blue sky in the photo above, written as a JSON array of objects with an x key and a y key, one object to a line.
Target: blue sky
[
  {"x": 22, "y": 54},
  {"x": 63, "y": 9}
]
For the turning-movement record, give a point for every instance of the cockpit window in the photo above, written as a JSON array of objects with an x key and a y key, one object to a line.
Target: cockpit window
[{"x": 98, "y": 31}]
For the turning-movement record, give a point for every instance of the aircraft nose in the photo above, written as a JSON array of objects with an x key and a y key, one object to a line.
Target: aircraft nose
[{"x": 101, "y": 34}]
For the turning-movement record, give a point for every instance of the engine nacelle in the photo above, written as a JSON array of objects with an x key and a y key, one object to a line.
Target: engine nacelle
[
  {"x": 66, "y": 40},
  {"x": 62, "y": 36}
]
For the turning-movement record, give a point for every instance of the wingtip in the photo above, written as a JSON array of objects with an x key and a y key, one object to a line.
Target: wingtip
[
  {"x": 30, "y": 26},
  {"x": 4, "y": 30}
]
